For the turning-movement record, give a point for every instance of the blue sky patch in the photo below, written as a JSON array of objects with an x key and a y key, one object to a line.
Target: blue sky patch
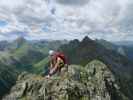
[{"x": 3, "y": 23}]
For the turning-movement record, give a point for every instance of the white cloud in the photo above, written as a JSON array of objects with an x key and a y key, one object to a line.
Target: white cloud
[{"x": 57, "y": 19}]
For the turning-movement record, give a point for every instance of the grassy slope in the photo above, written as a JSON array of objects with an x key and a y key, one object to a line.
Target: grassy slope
[{"x": 39, "y": 67}]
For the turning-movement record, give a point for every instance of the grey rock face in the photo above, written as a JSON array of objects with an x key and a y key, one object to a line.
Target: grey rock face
[{"x": 92, "y": 82}]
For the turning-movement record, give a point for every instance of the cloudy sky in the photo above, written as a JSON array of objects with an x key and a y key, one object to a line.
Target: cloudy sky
[{"x": 66, "y": 19}]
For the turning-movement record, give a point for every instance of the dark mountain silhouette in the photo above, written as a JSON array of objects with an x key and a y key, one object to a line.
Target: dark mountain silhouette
[{"x": 88, "y": 50}]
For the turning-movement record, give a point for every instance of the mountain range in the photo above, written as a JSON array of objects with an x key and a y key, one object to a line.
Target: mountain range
[{"x": 32, "y": 56}]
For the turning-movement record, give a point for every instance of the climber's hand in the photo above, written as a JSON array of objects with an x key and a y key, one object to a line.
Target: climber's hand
[{"x": 48, "y": 76}]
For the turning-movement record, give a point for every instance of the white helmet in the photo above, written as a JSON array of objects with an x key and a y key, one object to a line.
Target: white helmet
[{"x": 51, "y": 52}]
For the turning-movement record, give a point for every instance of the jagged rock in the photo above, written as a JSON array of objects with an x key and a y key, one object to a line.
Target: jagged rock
[{"x": 93, "y": 82}]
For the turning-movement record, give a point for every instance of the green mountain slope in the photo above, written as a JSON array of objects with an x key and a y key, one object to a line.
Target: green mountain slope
[
  {"x": 41, "y": 66},
  {"x": 8, "y": 76}
]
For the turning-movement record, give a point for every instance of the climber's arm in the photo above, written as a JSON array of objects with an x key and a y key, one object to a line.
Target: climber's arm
[
  {"x": 54, "y": 69},
  {"x": 51, "y": 65}
]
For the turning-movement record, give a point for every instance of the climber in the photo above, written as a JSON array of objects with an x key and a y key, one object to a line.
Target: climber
[{"x": 57, "y": 61}]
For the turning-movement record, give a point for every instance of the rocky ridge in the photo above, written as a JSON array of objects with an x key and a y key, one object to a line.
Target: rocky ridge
[{"x": 95, "y": 81}]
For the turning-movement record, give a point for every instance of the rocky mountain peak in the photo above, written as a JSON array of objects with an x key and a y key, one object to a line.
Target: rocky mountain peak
[
  {"x": 19, "y": 41},
  {"x": 92, "y": 82}
]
